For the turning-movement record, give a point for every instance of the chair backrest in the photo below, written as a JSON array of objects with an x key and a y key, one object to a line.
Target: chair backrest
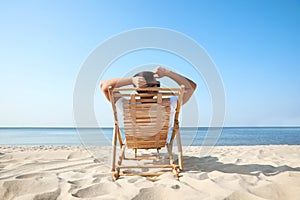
[{"x": 147, "y": 115}]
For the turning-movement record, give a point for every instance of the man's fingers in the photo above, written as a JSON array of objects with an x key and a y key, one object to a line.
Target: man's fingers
[
  {"x": 141, "y": 82},
  {"x": 155, "y": 71},
  {"x": 158, "y": 72},
  {"x": 155, "y": 75}
]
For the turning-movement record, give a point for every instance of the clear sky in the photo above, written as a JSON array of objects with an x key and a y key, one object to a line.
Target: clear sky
[{"x": 254, "y": 44}]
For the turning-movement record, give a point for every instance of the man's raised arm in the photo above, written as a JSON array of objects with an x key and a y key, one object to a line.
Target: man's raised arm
[{"x": 189, "y": 85}]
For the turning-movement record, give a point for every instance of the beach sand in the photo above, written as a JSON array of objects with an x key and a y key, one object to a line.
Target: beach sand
[{"x": 229, "y": 172}]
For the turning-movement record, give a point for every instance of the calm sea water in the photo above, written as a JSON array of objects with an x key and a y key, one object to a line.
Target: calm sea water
[{"x": 190, "y": 136}]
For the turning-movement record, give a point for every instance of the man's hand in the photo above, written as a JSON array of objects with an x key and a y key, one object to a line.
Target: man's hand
[
  {"x": 160, "y": 72},
  {"x": 139, "y": 81}
]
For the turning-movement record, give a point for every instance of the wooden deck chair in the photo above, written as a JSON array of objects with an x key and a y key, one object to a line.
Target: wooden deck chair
[{"x": 146, "y": 116}]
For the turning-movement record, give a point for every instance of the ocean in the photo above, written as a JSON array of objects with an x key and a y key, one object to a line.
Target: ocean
[{"x": 230, "y": 136}]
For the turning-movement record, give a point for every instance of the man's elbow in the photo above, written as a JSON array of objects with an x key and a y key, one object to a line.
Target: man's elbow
[
  {"x": 194, "y": 86},
  {"x": 191, "y": 88},
  {"x": 189, "y": 92}
]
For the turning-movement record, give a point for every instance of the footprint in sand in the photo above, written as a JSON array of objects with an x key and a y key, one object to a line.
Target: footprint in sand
[{"x": 175, "y": 186}]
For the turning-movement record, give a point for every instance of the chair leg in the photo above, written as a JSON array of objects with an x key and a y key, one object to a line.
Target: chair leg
[
  {"x": 169, "y": 149},
  {"x": 114, "y": 146},
  {"x": 116, "y": 174},
  {"x": 180, "y": 160},
  {"x": 122, "y": 154},
  {"x": 175, "y": 173}
]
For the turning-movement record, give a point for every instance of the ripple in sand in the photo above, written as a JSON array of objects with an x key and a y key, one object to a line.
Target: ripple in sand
[
  {"x": 77, "y": 155},
  {"x": 6, "y": 157},
  {"x": 150, "y": 193},
  {"x": 14, "y": 188},
  {"x": 96, "y": 190},
  {"x": 48, "y": 195},
  {"x": 33, "y": 175}
]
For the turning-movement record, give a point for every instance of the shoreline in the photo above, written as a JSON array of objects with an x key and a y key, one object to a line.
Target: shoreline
[
  {"x": 86, "y": 148},
  {"x": 227, "y": 172}
]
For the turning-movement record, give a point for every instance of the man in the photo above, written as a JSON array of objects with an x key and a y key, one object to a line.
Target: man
[{"x": 149, "y": 79}]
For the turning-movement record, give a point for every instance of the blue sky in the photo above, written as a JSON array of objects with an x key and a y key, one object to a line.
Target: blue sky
[{"x": 254, "y": 44}]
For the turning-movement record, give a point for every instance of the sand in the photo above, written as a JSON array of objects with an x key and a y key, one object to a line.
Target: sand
[{"x": 238, "y": 172}]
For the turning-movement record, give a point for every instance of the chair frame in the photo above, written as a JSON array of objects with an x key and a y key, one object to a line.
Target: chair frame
[{"x": 114, "y": 94}]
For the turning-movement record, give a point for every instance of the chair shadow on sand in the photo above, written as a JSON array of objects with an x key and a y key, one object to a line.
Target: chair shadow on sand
[{"x": 209, "y": 164}]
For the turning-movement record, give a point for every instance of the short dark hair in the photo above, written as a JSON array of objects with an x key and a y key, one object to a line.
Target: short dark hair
[{"x": 149, "y": 77}]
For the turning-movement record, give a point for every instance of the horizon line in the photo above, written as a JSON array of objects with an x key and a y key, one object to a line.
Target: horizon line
[{"x": 66, "y": 127}]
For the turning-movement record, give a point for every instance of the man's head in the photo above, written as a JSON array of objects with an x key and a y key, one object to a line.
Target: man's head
[{"x": 149, "y": 78}]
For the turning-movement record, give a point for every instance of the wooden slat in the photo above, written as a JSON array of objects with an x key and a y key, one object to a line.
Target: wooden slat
[
  {"x": 144, "y": 136},
  {"x": 147, "y": 138},
  {"x": 145, "y": 100},
  {"x": 148, "y": 108},
  {"x": 147, "y": 119},
  {"x": 145, "y": 105},
  {"x": 146, "y": 146},
  {"x": 143, "y": 158},
  {"x": 146, "y": 142},
  {"x": 161, "y": 89},
  {"x": 142, "y": 131},
  {"x": 146, "y": 89},
  {"x": 162, "y": 127},
  {"x": 146, "y": 114},
  {"x": 133, "y": 133},
  {"x": 133, "y": 130},
  {"x": 152, "y": 117},
  {"x": 145, "y": 94},
  {"x": 147, "y": 127},
  {"x": 144, "y": 119},
  {"x": 148, "y": 166},
  {"x": 152, "y": 110}
]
